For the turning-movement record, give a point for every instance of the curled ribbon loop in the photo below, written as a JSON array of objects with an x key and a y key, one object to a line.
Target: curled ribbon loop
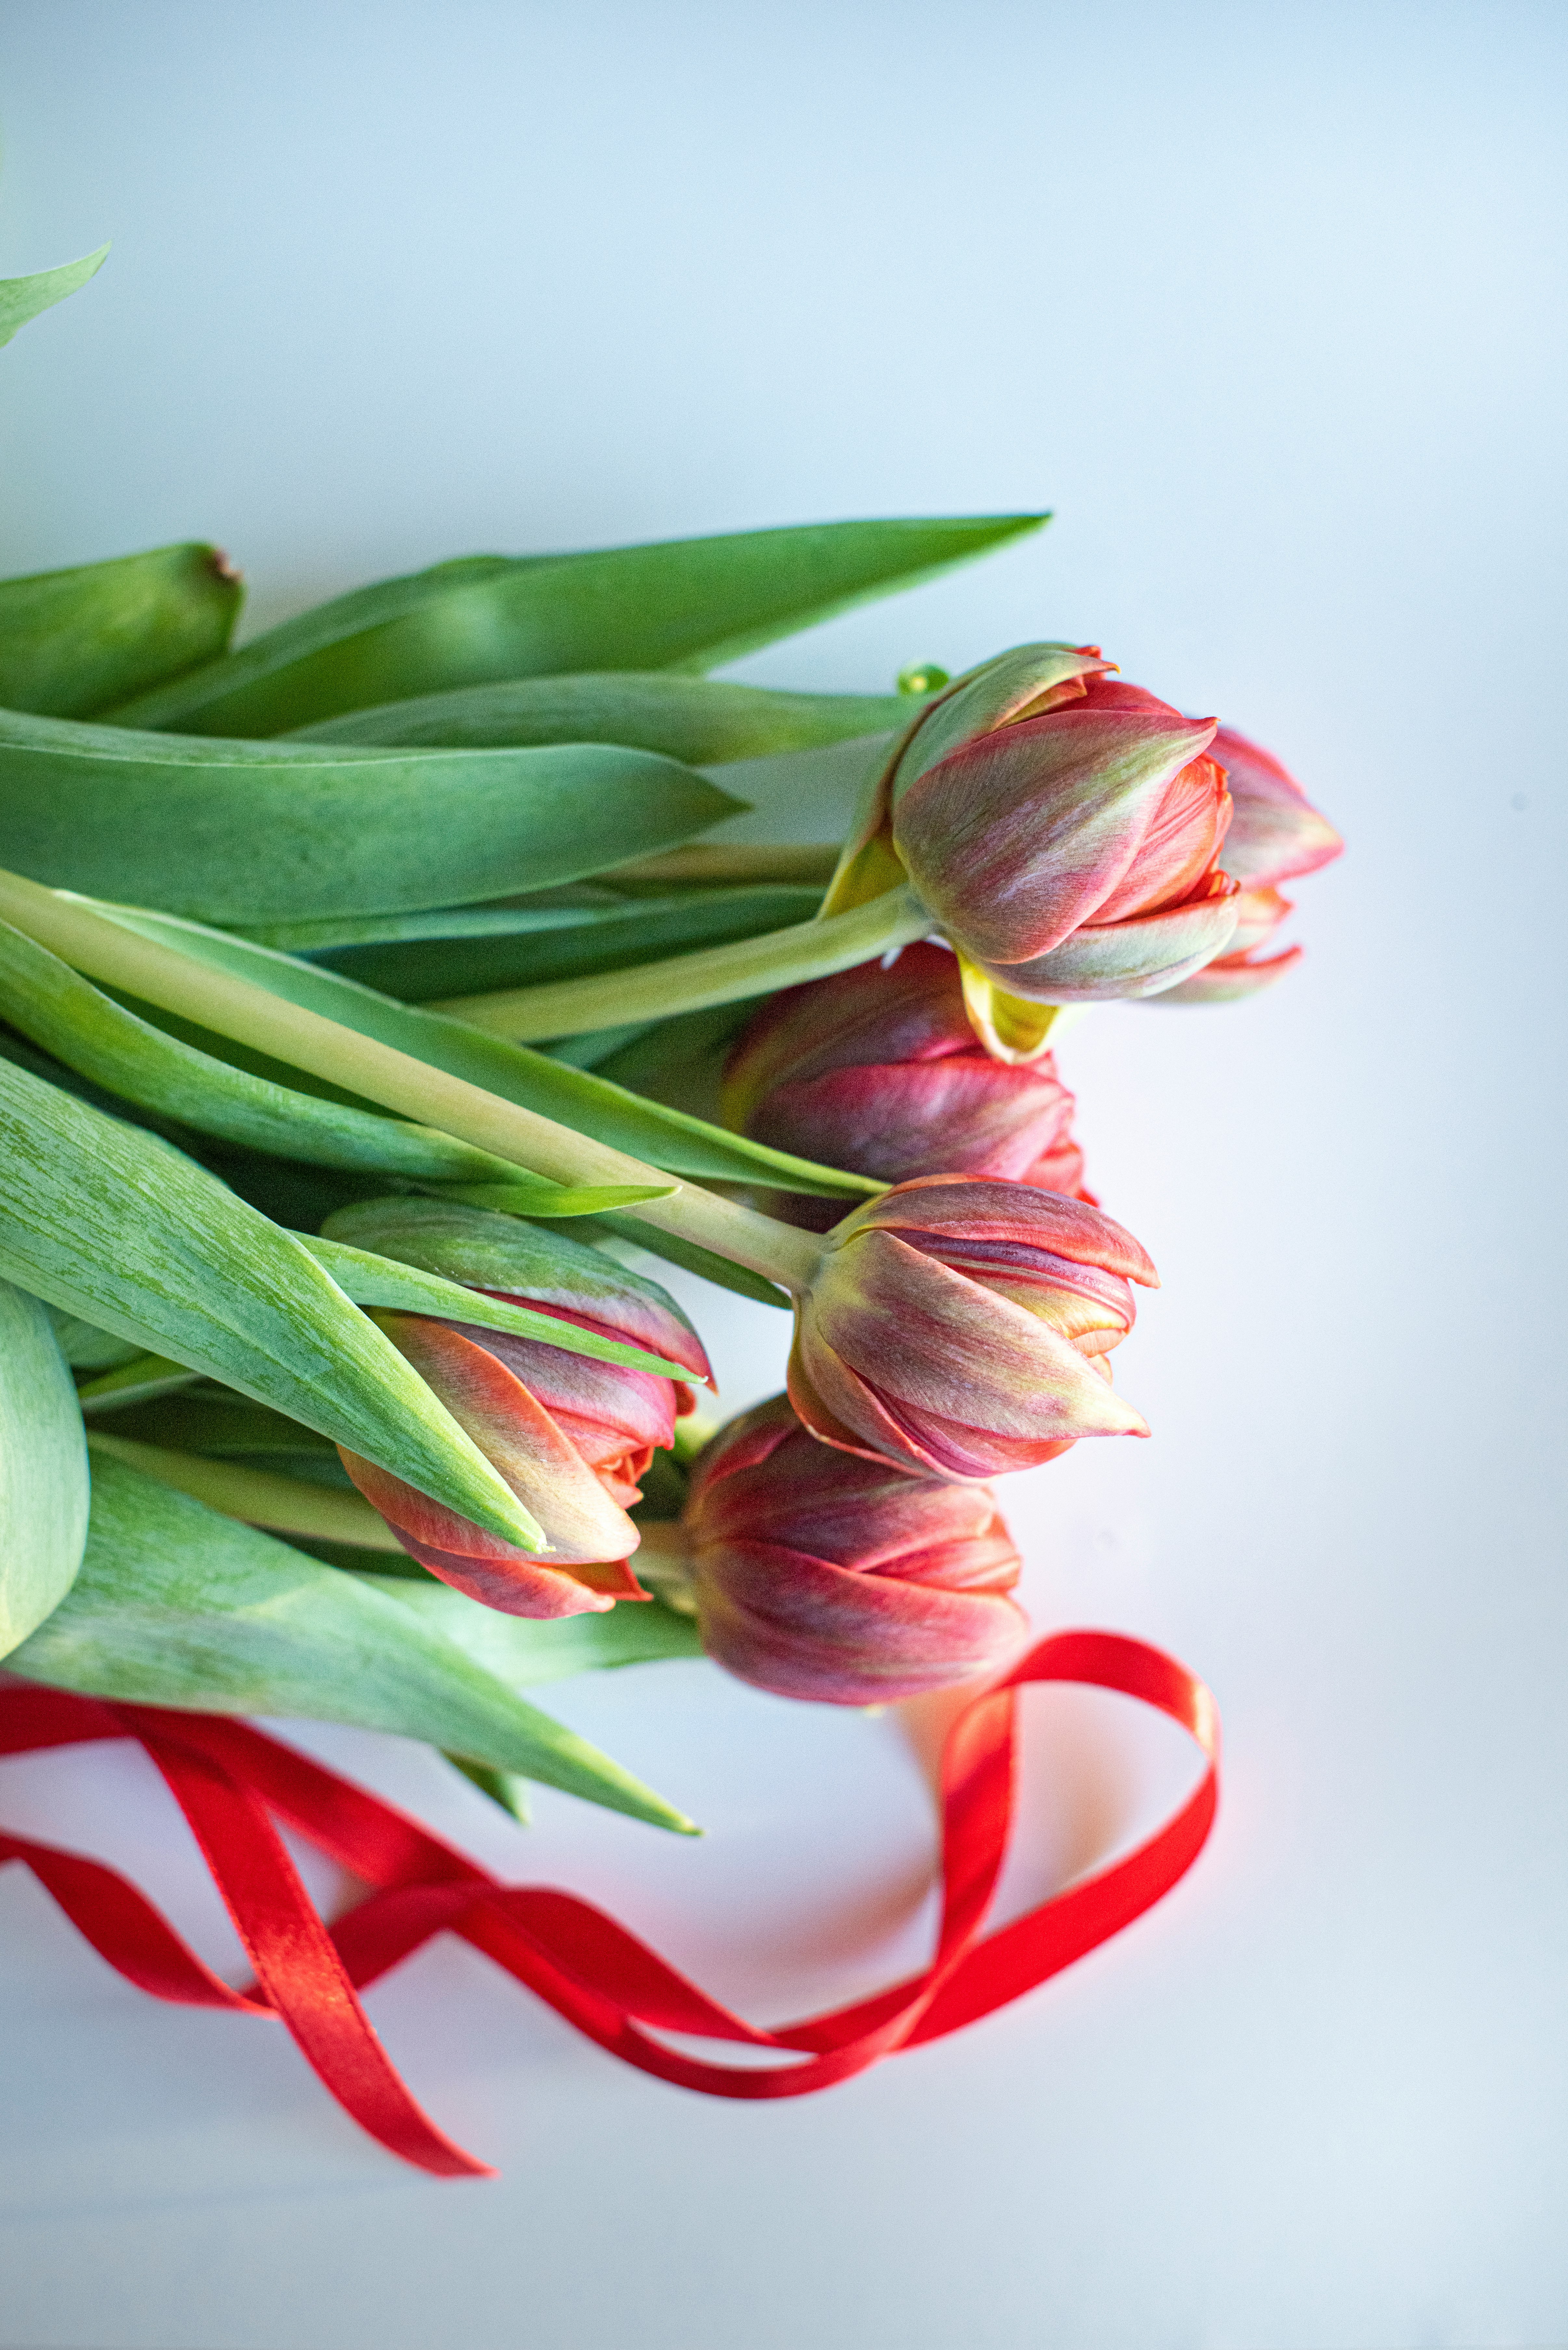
[{"x": 231, "y": 1781}]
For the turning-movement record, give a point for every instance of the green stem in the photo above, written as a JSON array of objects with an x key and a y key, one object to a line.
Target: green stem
[
  {"x": 690, "y": 983},
  {"x": 283, "y": 1504},
  {"x": 237, "y": 1008}
]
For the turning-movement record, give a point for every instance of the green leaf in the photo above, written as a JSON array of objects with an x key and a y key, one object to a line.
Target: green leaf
[
  {"x": 482, "y": 1251},
  {"x": 86, "y": 1348},
  {"x": 404, "y": 1288},
  {"x": 72, "y": 642},
  {"x": 648, "y": 1130},
  {"x": 42, "y": 1469},
  {"x": 633, "y": 1232},
  {"x": 110, "y": 1223},
  {"x": 687, "y": 603},
  {"x": 140, "y": 1380},
  {"x": 23, "y": 298},
  {"x": 176, "y": 1606},
  {"x": 618, "y": 939},
  {"x": 253, "y": 833},
  {"x": 260, "y": 1497},
  {"x": 214, "y": 1420},
  {"x": 503, "y": 1788},
  {"x": 524, "y": 1653},
  {"x": 697, "y": 719},
  {"x": 139, "y": 1059}
]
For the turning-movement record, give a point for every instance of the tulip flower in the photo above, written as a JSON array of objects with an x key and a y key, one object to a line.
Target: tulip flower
[
  {"x": 960, "y": 1326},
  {"x": 878, "y": 1070},
  {"x": 571, "y": 1436},
  {"x": 1276, "y": 834},
  {"x": 1064, "y": 831},
  {"x": 819, "y": 1575}
]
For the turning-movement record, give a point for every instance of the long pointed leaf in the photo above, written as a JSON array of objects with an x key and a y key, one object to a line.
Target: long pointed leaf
[
  {"x": 677, "y": 603},
  {"x": 72, "y": 642},
  {"x": 176, "y": 1606},
  {"x": 110, "y": 1223},
  {"x": 698, "y": 719},
  {"x": 246, "y": 832},
  {"x": 21, "y": 298},
  {"x": 42, "y": 1469},
  {"x": 129, "y": 1055},
  {"x": 635, "y": 933},
  {"x": 665, "y": 1137}
]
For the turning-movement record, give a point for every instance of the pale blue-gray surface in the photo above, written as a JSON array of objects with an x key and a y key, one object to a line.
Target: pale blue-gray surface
[{"x": 1267, "y": 302}]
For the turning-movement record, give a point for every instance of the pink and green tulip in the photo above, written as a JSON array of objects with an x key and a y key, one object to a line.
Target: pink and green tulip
[
  {"x": 880, "y": 1071},
  {"x": 820, "y": 1575},
  {"x": 571, "y": 1436},
  {"x": 960, "y": 1326}
]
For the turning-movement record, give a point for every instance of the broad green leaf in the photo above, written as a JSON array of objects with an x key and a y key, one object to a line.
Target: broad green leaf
[
  {"x": 542, "y": 910},
  {"x": 524, "y": 1653},
  {"x": 648, "y": 1130},
  {"x": 687, "y": 603},
  {"x": 618, "y": 940},
  {"x": 110, "y": 1223},
  {"x": 72, "y": 642},
  {"x": 252, "y": 833},
  {"x": 370, "y": 1279},
  {"x": 139, "y": 1059},
  {"x": 42, "y": 1469},
  {"x": 697, "y": 719},
  {"x": 21, "y": 298},
  {"x": 177, "y": 1606}
]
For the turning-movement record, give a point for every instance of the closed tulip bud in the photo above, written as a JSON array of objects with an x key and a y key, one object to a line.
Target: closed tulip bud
[
  {"x": 1063, "y": 828},
  {"x": 960, "y": 1326},
  {"x": 571, "y": 1436},
  {"x": 1276, "y": 834},
  {"x": 878, "y": 1070},
  {"x": 818, "y": 1574}
]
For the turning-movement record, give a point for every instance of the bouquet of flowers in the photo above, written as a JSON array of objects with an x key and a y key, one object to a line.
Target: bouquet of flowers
[{"x": 375, "y": 1016}]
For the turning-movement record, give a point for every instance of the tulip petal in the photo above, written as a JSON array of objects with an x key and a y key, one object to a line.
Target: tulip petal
[
  {"x": 1231, "y": 980},
  {"x": 513, "y": 1259},
  {"x": 1016, "y": 839},
  {"x": 1135, "y": 958},
  {"x": 1275, "y": 833},
  {"x": 971, "y": 1209},
  {"x": 581, "y": 1523},
  {"x": 804, "y": 1628}
]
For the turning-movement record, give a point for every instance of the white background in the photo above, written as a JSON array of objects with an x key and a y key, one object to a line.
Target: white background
[{"x": 1266, "y": 302}]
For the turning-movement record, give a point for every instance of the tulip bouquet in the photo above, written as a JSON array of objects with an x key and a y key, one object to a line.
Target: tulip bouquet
[{"x": 376, "y": 1023}]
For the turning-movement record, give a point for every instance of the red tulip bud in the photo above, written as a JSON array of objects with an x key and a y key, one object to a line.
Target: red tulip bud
[
  {"x": 818, "y": 1574},
  {"x": 1064, "y": 829},
  {"x": 960, "y": 1328},
  {"x": 571, "y": 1436},
  {"x": 879, "y": 1071}
]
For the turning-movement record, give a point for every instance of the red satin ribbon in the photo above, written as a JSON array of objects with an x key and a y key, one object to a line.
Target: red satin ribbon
[{"x": 230, "y": 1780}]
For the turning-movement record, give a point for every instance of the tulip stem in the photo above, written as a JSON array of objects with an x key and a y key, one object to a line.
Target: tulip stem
[
  {"x": 285, "y": 1505},
  {"x": 690, "y": 983},
  {"x": 93, "y": 942}
]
